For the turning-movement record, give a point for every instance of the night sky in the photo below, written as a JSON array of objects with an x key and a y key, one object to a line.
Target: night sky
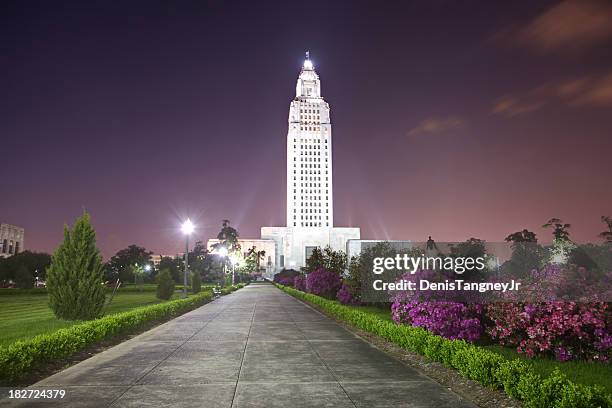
[{"x": 454, "y": 119}]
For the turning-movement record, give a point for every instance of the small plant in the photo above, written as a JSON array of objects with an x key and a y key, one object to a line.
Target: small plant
[
  {"x": 74, "y": 279},
  {"x": 165, "y": 285}
]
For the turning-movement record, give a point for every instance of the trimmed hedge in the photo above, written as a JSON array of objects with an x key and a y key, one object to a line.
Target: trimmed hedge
[
  {"x": 516, "y": 377},
  {"x": 19, "y": 358}
]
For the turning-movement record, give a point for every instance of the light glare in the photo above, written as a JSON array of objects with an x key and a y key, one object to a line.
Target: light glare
[{"x": 187, "y": 227}]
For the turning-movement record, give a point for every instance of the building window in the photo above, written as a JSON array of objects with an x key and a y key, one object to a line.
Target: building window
[{"x": 4, "y": 246}]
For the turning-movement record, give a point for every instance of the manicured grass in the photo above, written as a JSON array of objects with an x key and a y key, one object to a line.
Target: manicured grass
[
  {"x": 582, "y": 372},
  {"x": 25, "y": 316}
]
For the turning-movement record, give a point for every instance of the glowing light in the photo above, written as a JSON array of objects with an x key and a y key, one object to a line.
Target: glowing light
[
  {"x": 187, "y": 227},
  {"x": 307, "y": 64},
  {"x": 235, "y": 260},
  {"x": 147, "y": 268},
  {"x": 222, "y": 252}
]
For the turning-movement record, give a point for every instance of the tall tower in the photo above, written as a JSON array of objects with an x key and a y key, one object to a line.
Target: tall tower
[
  {"x": 310, "y": 202},
  {"x": 309, "y": 155}
]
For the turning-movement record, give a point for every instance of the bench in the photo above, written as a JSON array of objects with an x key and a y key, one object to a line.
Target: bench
[{"x": 216, "y": 292}]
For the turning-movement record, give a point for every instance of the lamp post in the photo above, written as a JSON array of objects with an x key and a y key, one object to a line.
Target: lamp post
[
  {"x": 223, "y": 254},
  {"x": 187, "y": 229}
]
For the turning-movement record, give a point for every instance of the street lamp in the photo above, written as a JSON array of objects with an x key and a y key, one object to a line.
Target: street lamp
[
  {"x": 187, "y": 229},
  {"x": 235, "y": 261},
  {"x": 222, "y": 252}
]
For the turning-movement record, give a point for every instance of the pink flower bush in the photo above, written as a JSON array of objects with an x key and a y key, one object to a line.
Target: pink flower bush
[
  {"x": 452, "y": 320},
  {"x": 561, "y": 315},
  {"x": 323, "y": 283},
  {"x": 567, "y": 330},
  {"x": 299, "y": 283},
  {"x": 286, "y": 281},
  {"x": 345, "y": 295}
]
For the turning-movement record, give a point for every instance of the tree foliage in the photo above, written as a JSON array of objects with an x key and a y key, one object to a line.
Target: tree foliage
[
  {"x": 196, "y": 282},
  {"x": 560, "y": 229},
  {"x": 36, "y": 264},
  {"x": 174, "y": 267},
  {"x": 74, "y": 279},
  {"x": 228, "y": 238},
  {"x": 328, "y": 259},
  {"x": 24, "y": 278},
  {"x": 165, "y": 285},
  {"x": 521, "y": 236},
  {"x": 606, "y": 235},
  {"x": 122, "y": 264}
]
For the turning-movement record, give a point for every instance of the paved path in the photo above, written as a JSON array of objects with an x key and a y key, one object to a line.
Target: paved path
[{"x": 257, "y": 347}]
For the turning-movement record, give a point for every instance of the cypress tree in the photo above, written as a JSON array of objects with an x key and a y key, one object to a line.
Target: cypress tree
[
  {"x": 165, "y": 285},
  {"x": 74, "y": 279},
  {"x": 196, "y": 282}
]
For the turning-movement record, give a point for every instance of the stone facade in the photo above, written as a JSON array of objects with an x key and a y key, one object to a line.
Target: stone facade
[{"x": 11, "y": 240}]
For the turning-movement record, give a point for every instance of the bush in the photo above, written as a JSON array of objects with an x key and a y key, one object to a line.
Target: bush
[
  {"x": 74, "y": 279},
  {"x": 300, "y": 283},
  {"x": 323, "y": 283},
  {"x": 517, "y": 378},
  {"x": 565, "y": 330},
  {"x": 285, "y": 275},
  {"x": 196, "y": 282},
  {"x": 552, "y": 326},
  {"x": 452, "y": 320},
  {"x": 165, "y": 285},
  {"x": 21, "y": 357},
  {"x": 345, "y": 295}
]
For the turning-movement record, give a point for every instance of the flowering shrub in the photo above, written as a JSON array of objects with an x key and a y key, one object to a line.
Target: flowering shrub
[
  {"x": 566, "y": 330},
  {"x": 323, "y": 283},
  {"x": 452, "y": 320},
  {"x": 440, "y": 314},
  {"x": 346, "y": 296},
  {"x": 286, "y": 281},
  {"x": 286, "y": 277},
  {"x": 300, "y": 283},
  {"x": 546, "y": 323}
]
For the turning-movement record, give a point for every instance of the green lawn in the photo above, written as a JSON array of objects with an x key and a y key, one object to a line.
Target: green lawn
[
  {"x": 583, "y": 372},
  {"x": 25, "y": 316}
]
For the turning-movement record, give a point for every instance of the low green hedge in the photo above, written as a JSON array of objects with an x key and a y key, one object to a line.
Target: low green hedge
[
  {"x": 19, "y": 358},
  {"x": 515, "y": 377}
]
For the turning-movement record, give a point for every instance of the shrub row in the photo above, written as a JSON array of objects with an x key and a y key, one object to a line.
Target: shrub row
[
  {"x": 516, "y": 377},
  {"x": 19, "y": 358}
]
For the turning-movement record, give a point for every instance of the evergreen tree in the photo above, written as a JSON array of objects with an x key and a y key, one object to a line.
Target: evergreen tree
[
  {"x": 196, "y": 282},
  {"x": 74, "y": 279},
  {"x": 165, "y": 285}
]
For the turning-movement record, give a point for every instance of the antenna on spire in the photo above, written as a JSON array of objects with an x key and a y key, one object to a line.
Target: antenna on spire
[{"x": 307, "y": 55}]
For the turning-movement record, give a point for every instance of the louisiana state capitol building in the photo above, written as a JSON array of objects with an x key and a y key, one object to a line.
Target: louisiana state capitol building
[{"x": 310, "y": 199}]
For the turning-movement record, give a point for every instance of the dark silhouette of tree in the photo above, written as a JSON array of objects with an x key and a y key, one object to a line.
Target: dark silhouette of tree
[
  {"x": 606, "y": 235},
  {"x": 560, "y": 229},
  {"x": 36, "y": 264},
  {"x": 521, "y": 236},
  {"x": 122, "y": 264},
  {"x": 228, "y": 238}
]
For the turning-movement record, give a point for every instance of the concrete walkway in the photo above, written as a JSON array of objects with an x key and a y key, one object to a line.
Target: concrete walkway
[{"x": 257, "y": 347}]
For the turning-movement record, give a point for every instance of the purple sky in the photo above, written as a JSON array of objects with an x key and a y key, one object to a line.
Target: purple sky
[{"x": 450, "y": 119}]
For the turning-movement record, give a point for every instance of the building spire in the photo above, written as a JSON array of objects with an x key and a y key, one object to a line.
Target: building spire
[{"x": 307, "y": 62}]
